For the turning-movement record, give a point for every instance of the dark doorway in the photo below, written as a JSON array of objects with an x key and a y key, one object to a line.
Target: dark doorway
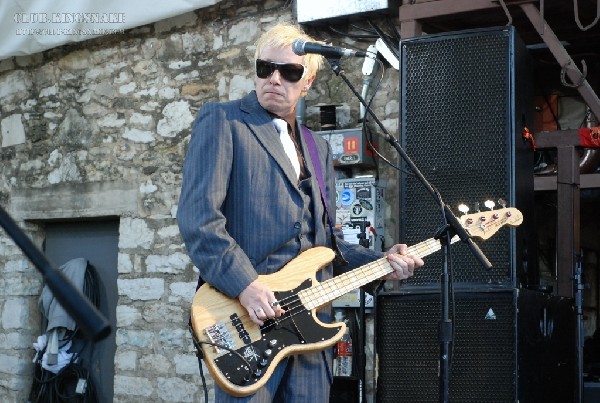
[{"x": 97, "y": 241}]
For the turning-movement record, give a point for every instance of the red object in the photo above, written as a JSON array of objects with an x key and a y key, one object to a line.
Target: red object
[
  {"x": 344, "y": 348},
  {"x": 590, "y": 137},
  {"x": 527, "y": 136},
  {"x": 351, "y": 145}
]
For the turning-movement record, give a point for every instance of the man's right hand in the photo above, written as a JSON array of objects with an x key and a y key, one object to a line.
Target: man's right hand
[{"x": 260, "y": 302}]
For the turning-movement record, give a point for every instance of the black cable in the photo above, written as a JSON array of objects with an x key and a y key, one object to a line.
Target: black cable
[
  {"x": 453, "y": 306},
  {"x": 367, "y": 132},
  {"x": 61, "y": 387},
  {"x": 395, "y": 34},
  {"x": 41, "y": 390},
  {"x": 68, "y": 385},
  {"x": 199, "y": 354},
  {"x": 353, "y": 36}
]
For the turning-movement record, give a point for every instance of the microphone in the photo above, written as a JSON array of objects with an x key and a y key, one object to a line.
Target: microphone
[{"x": 301, "y": 47}]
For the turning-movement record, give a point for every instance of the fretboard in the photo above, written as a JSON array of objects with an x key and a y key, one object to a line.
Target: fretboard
[{"x": 337, "y": 286}]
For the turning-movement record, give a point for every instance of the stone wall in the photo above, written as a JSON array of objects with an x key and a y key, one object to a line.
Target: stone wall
[{"x": 99, "y": 129}]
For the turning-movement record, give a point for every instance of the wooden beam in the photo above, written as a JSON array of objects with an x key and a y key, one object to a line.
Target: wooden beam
[
  {"x": 558, "y": 138},
  {"x": 410, "y": 29},
  {"x": 568, "y": 220},
  {"x": 408, "y": 12},
  {"x": 549, "y": 182},
  {"x": 563, "y": 58}
]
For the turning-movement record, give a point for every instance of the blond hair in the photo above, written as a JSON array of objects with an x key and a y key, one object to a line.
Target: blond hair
[{"x": 283, "y": 35}]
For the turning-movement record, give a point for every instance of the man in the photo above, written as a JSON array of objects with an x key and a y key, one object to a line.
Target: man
[{"x": 248, "y": 207}]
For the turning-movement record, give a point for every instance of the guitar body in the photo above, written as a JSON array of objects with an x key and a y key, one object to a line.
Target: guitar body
[{"x": 224, "y": 321}]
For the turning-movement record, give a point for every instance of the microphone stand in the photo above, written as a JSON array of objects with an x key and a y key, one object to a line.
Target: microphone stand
[
  {"x": 362, "y": 357},
  {"x": 451, "y": 227},
  {"x": 91, "y": 322}
]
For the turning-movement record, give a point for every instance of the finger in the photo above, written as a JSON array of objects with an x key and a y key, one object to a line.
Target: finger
[
  {"x": 402, "y": 267},
  {"x": 275, "y": 305},
  {"x": 254, "y": 317}
]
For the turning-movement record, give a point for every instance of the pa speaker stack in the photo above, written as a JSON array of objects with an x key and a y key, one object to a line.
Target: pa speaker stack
[
  {"x": 465, "y": 102},
  {"x": 510, "y": 345}
]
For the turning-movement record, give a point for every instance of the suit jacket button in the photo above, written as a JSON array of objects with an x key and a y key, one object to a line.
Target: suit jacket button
[{"x": 297, "y": 225}]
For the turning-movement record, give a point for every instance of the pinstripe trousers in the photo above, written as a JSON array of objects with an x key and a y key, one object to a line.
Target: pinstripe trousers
[{"x": 297, "y": 379}]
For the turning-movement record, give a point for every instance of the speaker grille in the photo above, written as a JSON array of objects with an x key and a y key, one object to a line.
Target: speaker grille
[
  {"x": 458, "y": 124},
  {"x": 484, "y": 355},
  {"x": 511, "y": 345}
]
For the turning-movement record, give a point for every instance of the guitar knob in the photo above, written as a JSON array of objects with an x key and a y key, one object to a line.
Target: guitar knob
[
  {"x": 263, "y": 363},
  {"x": 267, "y": 353},
  {"x": 247, "y": 377},
  {"x": 272, "y": 343},
  {"x": 257, "y": 373}
]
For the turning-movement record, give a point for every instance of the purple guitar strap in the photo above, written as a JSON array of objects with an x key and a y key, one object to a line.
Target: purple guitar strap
[{"x": 314, "y": 156}]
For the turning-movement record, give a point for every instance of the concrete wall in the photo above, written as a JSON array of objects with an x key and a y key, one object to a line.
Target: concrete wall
[{"x": 99, "y": 129}]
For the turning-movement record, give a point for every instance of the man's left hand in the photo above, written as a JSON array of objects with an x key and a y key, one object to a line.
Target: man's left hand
[{"x": 403, "y": 264}]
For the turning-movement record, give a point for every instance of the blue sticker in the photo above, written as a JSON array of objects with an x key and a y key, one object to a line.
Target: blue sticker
[{"x": 347, "y": 197}]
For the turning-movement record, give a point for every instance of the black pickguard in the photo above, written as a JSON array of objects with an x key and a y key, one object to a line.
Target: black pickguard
[{"x": 297, "y": 327}]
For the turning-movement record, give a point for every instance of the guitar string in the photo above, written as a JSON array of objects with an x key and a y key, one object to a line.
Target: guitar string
[
  {"x": 418, "y": 249},
  {"x": 421, "y": 249}
]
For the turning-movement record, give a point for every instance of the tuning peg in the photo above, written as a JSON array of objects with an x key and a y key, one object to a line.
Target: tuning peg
[
  {"x": 489, "y": 204},
  {"x": 502, "y": 202},
  {"x": 463, "y": 208},
  {"x": 477, "y": 206}
]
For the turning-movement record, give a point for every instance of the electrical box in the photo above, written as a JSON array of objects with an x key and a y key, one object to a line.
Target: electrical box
[
  {"x": 349, "y": 147},
  {"x": 315, "y": 10},
  {"x": 360, "y": 206}
]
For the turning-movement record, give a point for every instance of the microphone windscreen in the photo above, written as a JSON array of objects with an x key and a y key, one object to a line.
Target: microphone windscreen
[{"x": 298, "y": 47}]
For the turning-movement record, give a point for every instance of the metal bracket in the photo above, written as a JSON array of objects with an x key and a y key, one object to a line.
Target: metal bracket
[{"x": 562, "y": 57}]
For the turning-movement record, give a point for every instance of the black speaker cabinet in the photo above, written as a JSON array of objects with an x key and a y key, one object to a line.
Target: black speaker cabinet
[
  {"x": 509, "y": 346},
  {"x": 465, "y": 101},
  {"x": 345, "y": 389}
]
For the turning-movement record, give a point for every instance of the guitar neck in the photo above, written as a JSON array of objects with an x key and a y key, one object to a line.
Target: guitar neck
[{"x": 327, "y": 291}]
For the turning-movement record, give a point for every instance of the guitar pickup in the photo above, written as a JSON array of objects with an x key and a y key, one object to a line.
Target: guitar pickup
[{"x": 239, "y": 326}]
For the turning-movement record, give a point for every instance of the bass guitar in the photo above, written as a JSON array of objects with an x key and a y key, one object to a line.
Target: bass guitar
[{"x": 241, "y": 356}]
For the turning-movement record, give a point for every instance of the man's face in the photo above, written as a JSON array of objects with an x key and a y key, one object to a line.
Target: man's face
[{"x": 276, "y": 94}]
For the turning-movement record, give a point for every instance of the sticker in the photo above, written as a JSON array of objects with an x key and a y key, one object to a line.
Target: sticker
[
  {"x": 347, "y": 197},
  {"x": 357, "y": 210},
  {"x": 366, "y": 204},
  {"x": 363, "y": 193}
]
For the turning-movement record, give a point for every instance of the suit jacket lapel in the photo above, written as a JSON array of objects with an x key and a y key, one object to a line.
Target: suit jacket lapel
[{"x": 260, "y": 123}]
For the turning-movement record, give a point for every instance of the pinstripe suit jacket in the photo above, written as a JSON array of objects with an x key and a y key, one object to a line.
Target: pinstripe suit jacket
[{"x": 240, "y": 206}]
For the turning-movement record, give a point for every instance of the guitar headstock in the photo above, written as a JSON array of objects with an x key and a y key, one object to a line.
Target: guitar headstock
[{"x": 484, "y": 224}]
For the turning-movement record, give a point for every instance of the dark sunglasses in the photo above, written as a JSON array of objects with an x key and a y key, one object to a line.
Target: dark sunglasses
[{"x": 291, "y": 72}]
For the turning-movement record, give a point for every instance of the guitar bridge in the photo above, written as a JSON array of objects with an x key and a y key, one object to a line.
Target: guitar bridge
[{"x": 220, "y": 336}]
